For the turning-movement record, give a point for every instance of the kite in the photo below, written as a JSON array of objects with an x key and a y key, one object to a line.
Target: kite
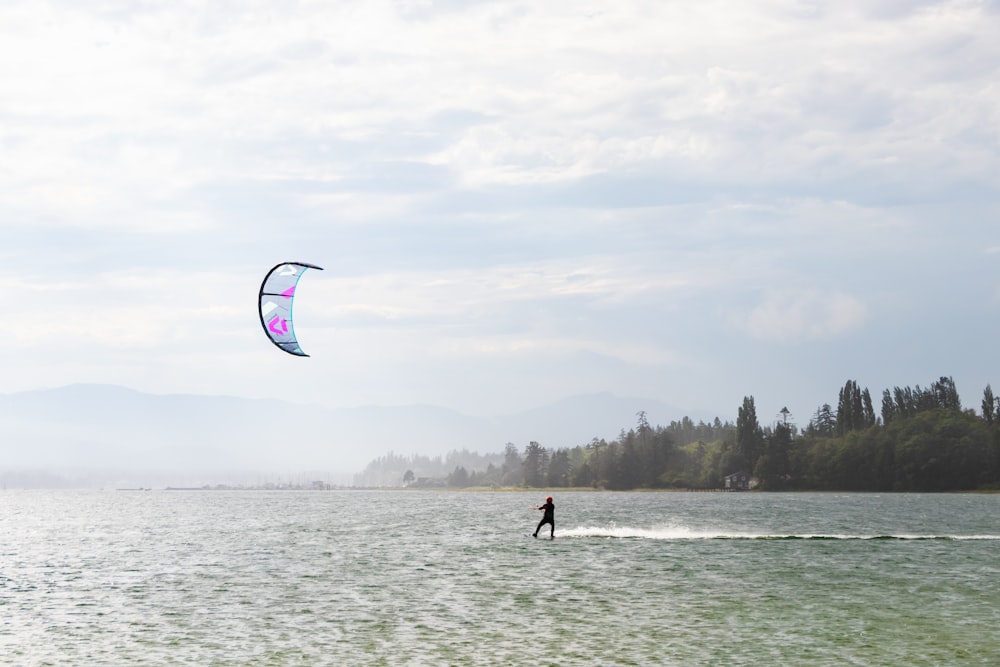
[{"x": 276, "y": 295}]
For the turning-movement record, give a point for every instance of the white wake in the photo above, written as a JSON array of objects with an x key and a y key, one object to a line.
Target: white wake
[{"x": 682, "y": 533}]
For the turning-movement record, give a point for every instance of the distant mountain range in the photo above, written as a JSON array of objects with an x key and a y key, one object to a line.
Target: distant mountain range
[{"x": 105, "y": 427}]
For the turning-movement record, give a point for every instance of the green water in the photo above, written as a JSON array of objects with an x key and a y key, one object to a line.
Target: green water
[{"x": 424, "y": 578}]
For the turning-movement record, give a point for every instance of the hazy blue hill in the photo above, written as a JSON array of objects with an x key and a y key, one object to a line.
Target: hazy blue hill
[
  {"x": 578, "y": 419},
  {"x": 103, "y": 427}
]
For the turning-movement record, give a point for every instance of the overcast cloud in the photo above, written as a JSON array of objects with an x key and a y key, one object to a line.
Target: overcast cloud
[{"x": 513, "y": 202}]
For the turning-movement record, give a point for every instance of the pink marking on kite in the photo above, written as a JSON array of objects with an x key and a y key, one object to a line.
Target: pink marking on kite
[
  {"x": 278, "y": 326},
  {"x": 290, "y": 292}
]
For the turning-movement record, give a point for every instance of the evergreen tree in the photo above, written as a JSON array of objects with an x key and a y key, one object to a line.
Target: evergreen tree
[
  {"x": 599, "y": 460},
  {"x": 512, "y": 470},
  {"x": 989, "y": 405},
  {"x": 854, "y": 409},
  {"x": 946, "y": 394},
  {"x": 459, "y": 477},
  {"x": 559, "y": 468},
  {"x": 824, "y": 422},
  {"x": 868, "y": 411},
  {"x": 535, "y": 464},
  {"x": 888, "y": 407},
  {"x": 749, "y": 436},
  {"x": 627, "y": 466},
  {"x": 905, "y": 405},
  {"x": 772, "y": 467}
]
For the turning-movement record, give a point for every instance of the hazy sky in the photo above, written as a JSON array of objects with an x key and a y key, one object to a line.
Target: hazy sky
[{"x": 513, "y": 201}]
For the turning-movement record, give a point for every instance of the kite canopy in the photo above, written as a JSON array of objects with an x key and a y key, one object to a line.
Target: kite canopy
[{"x": 276, "y": 295}]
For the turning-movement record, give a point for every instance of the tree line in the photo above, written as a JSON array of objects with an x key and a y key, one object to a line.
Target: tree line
[{"x": 920, "y": 439}]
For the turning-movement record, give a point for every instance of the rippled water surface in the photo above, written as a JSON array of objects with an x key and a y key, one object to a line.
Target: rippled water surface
[{"x": 439, "y": 578}]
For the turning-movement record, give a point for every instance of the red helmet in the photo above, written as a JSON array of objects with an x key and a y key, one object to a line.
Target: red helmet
[{"x": 549, "y": 499}]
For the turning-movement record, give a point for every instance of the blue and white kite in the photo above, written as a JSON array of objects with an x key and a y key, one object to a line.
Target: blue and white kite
[{"x": 276, "y": 295}]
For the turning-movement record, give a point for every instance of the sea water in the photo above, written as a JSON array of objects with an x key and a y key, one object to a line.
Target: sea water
[{"x": 454, "y": 578}]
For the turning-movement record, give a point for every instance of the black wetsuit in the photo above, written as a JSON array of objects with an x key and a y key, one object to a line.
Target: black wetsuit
[{"x": 547, "y": 518}]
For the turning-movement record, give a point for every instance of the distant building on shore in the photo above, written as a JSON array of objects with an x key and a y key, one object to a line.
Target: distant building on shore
[{"x": 739, "y": 481}]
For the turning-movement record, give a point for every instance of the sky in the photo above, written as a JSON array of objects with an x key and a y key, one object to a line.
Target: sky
[{"x": 513, "y": 202}]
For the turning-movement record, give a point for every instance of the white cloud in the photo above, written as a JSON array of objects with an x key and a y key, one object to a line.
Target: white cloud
[
  {"x": 795, "y": 316},
  {"x": 148, "y": 104},
  {"x": 513, "y": 347},
  {"x": 128, "y": 309},
  {"x": 454, "y": 295}
]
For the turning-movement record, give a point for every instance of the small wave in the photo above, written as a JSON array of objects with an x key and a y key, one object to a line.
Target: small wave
[{"x": 678, "y": 533}]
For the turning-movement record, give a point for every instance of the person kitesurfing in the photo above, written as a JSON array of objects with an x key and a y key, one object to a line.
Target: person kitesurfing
[{"x": 548, "y": 518}]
